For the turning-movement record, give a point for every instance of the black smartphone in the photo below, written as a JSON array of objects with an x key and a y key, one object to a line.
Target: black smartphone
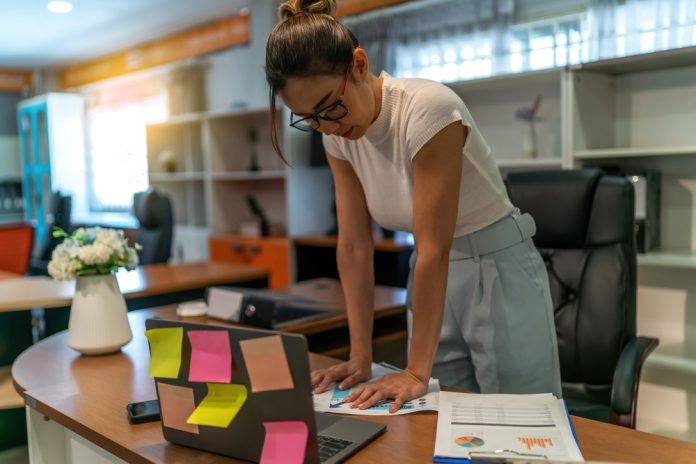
[{"x": 145, "y": 411}]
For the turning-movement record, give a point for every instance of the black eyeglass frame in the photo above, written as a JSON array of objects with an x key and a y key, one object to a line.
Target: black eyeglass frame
[{"x": 322, "y": 113}]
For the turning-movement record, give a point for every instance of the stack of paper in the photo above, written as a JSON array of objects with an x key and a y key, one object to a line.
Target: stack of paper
[
  {"x": 499, "y": 428},
  {"x": 333, "y": 400}
]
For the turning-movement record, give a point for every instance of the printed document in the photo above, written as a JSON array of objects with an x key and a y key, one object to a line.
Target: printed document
[
  {"x": 525, "y": 427},
  {"x": 333, "y": 400}
]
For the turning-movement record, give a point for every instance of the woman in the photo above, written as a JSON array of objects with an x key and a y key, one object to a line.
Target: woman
[{"x": 407, "y": 153}]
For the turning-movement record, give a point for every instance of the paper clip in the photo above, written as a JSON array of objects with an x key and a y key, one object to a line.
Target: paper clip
[{"x": 495, "y": 456}]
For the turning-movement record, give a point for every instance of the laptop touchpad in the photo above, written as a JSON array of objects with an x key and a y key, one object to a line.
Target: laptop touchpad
[{"x": 325, "y": 421}]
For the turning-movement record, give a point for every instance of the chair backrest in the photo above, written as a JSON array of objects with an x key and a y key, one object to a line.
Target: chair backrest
[
  {"x": 585, "y": 233},
  {"x": 154, "y": 212},
  {"x": 16, "y": 242},
  {"x": 57, "y": 215}
]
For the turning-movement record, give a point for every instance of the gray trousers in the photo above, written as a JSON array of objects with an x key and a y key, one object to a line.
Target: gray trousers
[{"x": 498, "y": 333}]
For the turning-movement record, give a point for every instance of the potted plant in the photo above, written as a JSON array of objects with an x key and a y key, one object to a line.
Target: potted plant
[{"x": 98, "y": 320}]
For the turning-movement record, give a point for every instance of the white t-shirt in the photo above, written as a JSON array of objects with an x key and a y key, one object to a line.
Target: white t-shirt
[{"x": 412, "y": 112}]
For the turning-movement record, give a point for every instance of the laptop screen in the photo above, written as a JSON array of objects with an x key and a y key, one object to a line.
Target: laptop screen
[{"x": 244, "y": 393}]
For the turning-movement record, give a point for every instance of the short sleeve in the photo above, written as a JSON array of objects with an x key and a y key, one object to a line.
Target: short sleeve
[
  {"x": 431, "y": 109},
  {"x": 332, "y": 148}
]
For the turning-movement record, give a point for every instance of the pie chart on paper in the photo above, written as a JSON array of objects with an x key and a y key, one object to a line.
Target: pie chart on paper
[{"x": 469, "y": 442}]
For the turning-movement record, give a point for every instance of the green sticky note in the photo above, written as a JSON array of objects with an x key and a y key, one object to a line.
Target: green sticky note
[
  {"x": 165, "y": 351},
  {"x": 219, "y": 406}
]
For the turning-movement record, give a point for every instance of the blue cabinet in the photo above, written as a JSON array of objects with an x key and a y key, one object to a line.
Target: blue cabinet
[{"x": 52, "y": 145}]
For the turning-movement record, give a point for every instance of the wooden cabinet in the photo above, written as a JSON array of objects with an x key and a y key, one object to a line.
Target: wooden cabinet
[{"x": 272, "y": 253}]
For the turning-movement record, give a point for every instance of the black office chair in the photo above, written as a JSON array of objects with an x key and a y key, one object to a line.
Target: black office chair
[
  {"x": 585, "y": 233},
  {"x": 155, "y": 233},
  {"x": 58, "y": 212}
]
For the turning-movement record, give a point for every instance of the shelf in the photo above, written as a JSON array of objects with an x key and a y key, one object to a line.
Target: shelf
[
  {"x": 248, "y": 175},
  {"x": 674, "y": 58},
  {"x": 507, "y": 80},
  {"x": 530, "y": 163},
  {"x": 668, "y": 259},
  {"x": 242, "y": 112},
  {"x": 176, "y": 176},
  {"x": 180, "y": 119},
  {"x": 633, "y": 152}
]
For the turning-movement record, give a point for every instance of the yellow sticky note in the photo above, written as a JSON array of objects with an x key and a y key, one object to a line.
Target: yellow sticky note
[
  {"x": 165, "y": 351},
  {"x": 219, "y": 406}
]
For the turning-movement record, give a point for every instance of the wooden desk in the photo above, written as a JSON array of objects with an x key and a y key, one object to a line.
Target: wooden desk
[
  {"x": 315, "y": 256},
  {"x": 4, "y": 275},
  {"x": 139, "y": 286},
  {"x": 146, "y": 286},
  {"x": 83, "y": 400},
  {"x": 329, "y": 335}
]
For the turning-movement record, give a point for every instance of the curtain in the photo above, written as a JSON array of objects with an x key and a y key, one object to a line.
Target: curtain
[
  {"x": 451, "y": 40},
  {"x": 429, "y": 39},
  {"x": 629, "y": 27}
]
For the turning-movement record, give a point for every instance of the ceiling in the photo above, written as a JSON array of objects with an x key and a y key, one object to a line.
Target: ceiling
[{"x": 32, "y": 37}]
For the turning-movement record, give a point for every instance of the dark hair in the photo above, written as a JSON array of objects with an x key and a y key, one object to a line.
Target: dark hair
[{"x": 307, "y": 41}]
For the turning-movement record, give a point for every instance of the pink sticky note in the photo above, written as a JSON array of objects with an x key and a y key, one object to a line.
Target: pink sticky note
[
  {"x": 176, "y": 404},
  {"x": 285, "y": 442},
  {"x": 211, "y": 358}
]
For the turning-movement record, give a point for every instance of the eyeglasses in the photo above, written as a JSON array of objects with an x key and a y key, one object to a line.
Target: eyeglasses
[{"x": 333, "y": 112}]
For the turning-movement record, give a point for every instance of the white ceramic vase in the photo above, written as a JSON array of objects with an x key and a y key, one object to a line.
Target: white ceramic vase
[{"x": 98, "y": 316}]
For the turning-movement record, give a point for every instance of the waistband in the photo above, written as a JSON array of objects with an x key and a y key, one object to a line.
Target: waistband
[{"x": 508, "y": 231}]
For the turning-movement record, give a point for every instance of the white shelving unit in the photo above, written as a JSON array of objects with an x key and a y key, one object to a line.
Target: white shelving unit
[
  {"x": 493, "y": 103},
  {"x": 633, "y": 114},
  {"x": 203, "y": 161},
  {"x": 628, "y": 114}
]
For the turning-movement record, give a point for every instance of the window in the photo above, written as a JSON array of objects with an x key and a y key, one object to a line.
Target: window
[{"x": 117, "y": 155}]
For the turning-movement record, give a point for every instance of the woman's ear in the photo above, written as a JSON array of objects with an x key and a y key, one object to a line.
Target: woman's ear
[{"x": 361, "y": 66}]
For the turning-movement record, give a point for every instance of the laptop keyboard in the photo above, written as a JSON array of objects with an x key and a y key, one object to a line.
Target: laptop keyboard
[{"x": 329, "y": 447}]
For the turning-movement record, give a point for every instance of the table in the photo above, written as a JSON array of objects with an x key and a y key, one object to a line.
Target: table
[
  {"x": 315, "y": 256},
  {"x": 4, "y": 275},
  {"x": 76, "y": 407},
  {"x": 139, "y": 286},
  {"x": 329, "y": 335},
  {"x": 148, "y": 285}
]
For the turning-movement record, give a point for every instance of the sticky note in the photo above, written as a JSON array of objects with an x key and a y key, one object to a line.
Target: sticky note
[
  {"x": 219, "y": 406},
  {"x": 165, "y": 351},
  {"x": 266, "y": 364},
  {"x": 176, "y": 405},
  {"x": 285, "y": 442},
  {"x": 211, "y": 358}
]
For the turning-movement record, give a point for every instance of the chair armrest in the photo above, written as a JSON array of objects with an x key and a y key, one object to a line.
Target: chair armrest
[{"x": 624, "y": 392}]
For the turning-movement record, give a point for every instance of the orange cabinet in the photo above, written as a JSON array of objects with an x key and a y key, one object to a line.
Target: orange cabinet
[{"x": 272, "y": 253}]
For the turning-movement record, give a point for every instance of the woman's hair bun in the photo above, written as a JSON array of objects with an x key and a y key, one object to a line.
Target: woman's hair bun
[{"x": 293, "y": 7}]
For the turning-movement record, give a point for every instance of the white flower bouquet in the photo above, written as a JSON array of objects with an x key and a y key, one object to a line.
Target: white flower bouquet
[{"x": 91, "y": 251}]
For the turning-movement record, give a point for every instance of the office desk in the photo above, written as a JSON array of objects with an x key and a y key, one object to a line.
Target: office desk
[
  {"x": 315, "y": 256},
  {"x": 147, "y": 285},
  {"x": 4, "y": 275},
  {"x": 328, "y": 335},
  {"x": 76, "y": 407}
]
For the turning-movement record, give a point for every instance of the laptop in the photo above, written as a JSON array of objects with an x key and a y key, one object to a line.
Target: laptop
[{"x": 330, "y": 438}]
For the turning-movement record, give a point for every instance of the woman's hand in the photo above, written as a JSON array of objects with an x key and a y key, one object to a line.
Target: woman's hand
[
  {"x": 348, "y": 373},
  {"x": 398, "y": 388}
]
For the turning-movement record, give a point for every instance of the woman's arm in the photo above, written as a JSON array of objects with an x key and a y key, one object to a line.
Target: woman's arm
[
  {"x": 437, "y": 175},
  {"x": 354, "y": 255}
]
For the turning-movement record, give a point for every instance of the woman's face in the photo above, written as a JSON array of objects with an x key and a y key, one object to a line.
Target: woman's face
[{"x": 306, "y": 96}]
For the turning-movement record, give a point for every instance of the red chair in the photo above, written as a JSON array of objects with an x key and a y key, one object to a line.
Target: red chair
[{"x": 16, "y": 242}]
